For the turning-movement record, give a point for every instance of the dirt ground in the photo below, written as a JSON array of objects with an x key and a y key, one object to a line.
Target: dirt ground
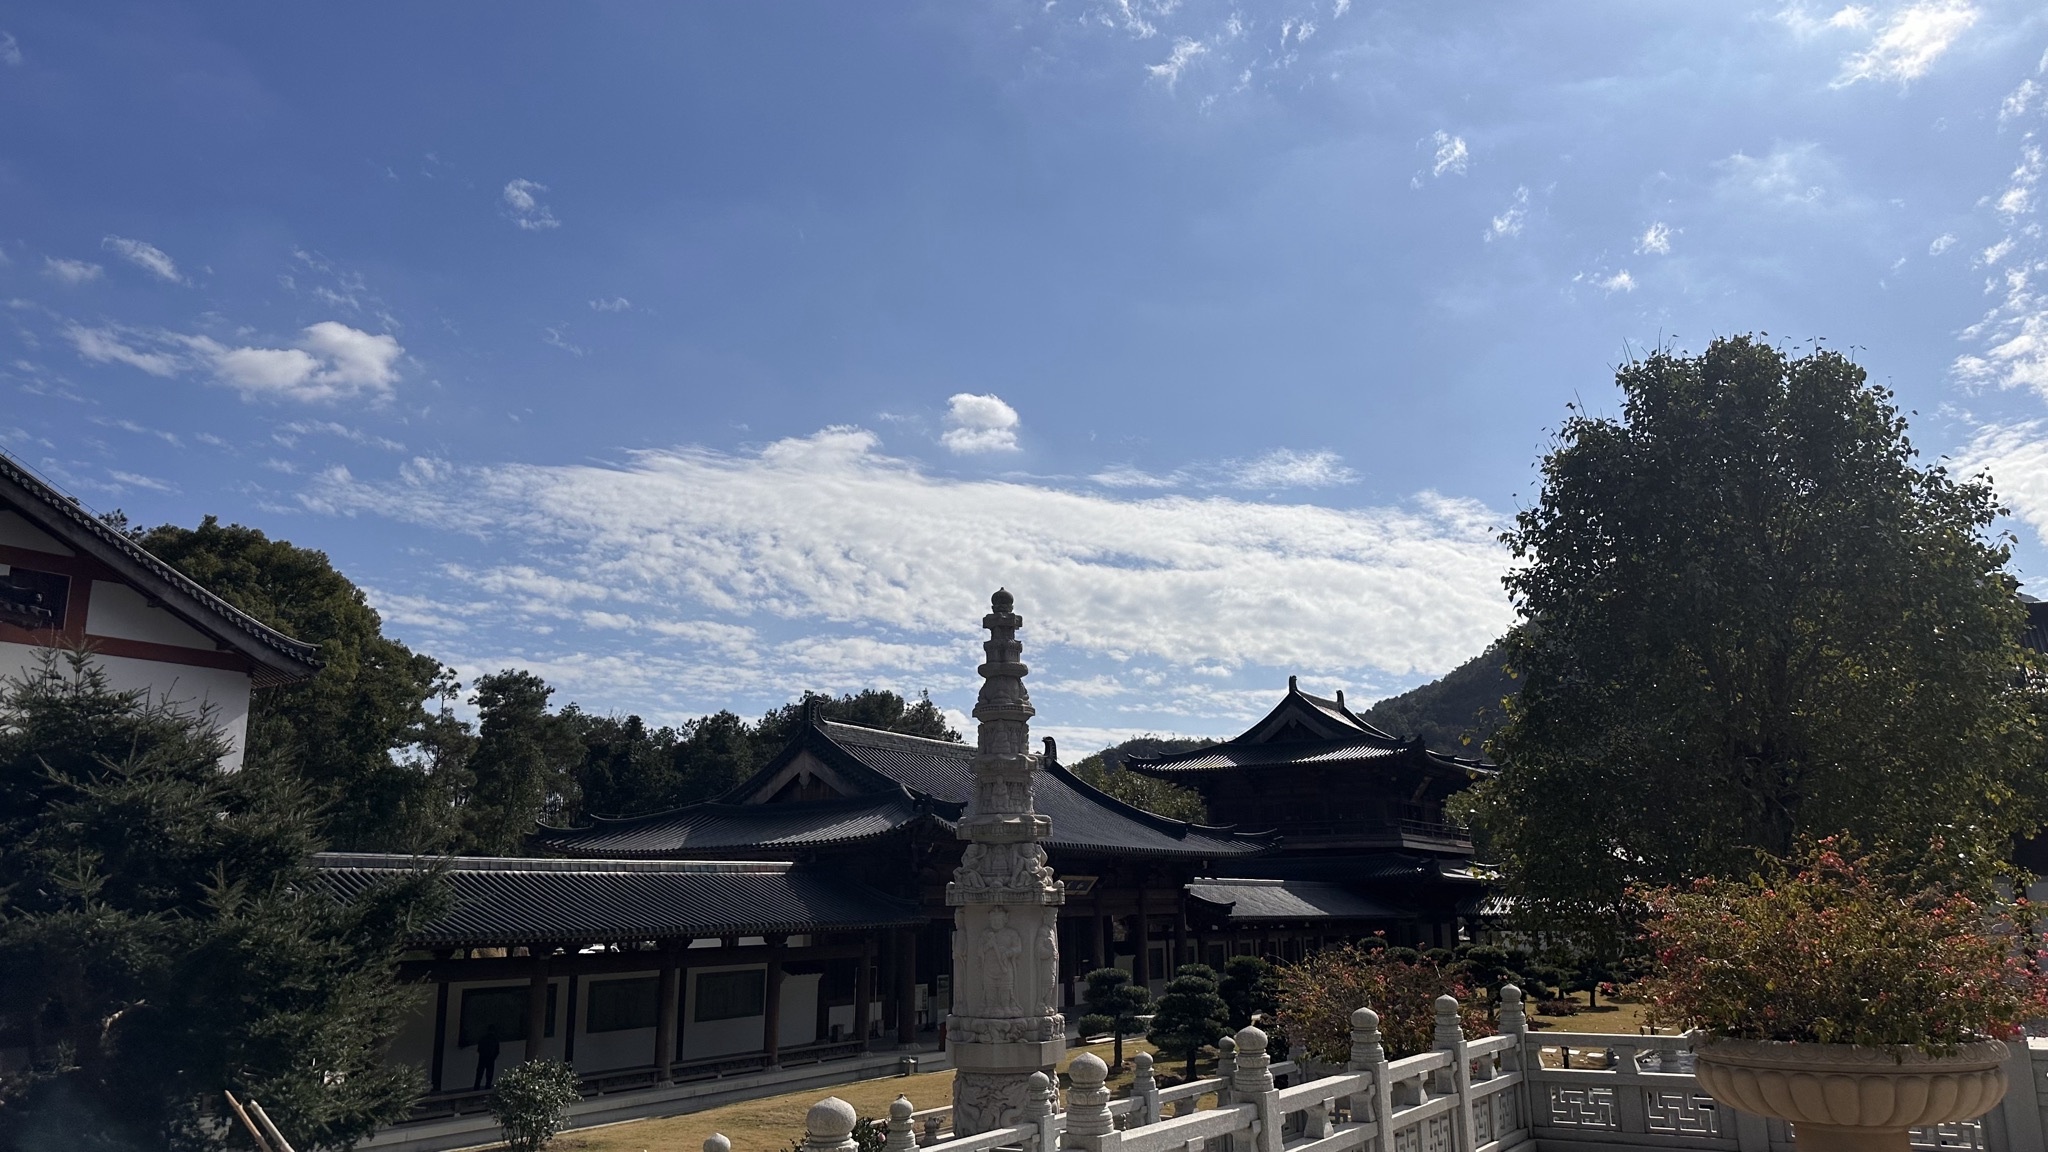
[{"x": 773, "y": 1123}]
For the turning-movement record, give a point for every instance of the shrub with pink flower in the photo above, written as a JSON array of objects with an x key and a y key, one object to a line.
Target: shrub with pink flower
[{"x": 1819, "y": 949}]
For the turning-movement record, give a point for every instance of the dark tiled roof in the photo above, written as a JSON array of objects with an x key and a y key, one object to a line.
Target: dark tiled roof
[
  {"x": 1305, "y": 729},
  {"x": 504, "y": 900},
  {"x": 1249, "y": 901},
  {"x": 279, "y": 658},
  {"x": 2036, "y": 634},
  {"x": 1375, "y": 866},
  {"x": 723, "y": 827},
  {"x": 908, "y": 778}
]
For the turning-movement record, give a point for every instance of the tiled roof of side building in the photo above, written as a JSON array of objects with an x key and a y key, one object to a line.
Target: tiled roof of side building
[
  {"x": 904, "y": 779},
  {"x": 716, "y": 826},
  {"x": 1305, "y": 729},
  {"x": 1249, "y": 901},
  {"x": 501, "y": 901},
  {"x": 279, "y": 659}
]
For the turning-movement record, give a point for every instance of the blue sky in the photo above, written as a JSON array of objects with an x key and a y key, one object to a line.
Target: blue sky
[{"x": 695, "y": 355}]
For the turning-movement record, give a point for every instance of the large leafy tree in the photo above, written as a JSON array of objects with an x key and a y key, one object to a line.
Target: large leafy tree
[
  {"x": 1105, "y": 770},
  {"x": 524, "y": 765},
  {"x": 163, "y": 937},
  {"x": 346, "y": 728},
  {"x": 1751, "y": 616}
]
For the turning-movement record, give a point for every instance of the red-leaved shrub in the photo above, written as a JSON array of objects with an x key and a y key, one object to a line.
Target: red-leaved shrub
[{"x": 1318, "y": 995}]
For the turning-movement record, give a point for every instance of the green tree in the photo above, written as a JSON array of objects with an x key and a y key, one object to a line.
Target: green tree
[
  {"x": 346, "y": 728},
  {"x": 1248, "y": 989},
  {"x": 1190, "y": 1015},
  {"x": 1456, "y": 713},
  {"x": 1111, "y": 994},
  {"x": 628, "y": 768},
  {"x": 1105, "y": 771},
  {"x": 716, "y": 753},
  {"x": 1749, "y": 616},
  {"x": 523, "y": 767},
  {"x": 163, "y": 937},
  {"x": 869, "y": 708}
]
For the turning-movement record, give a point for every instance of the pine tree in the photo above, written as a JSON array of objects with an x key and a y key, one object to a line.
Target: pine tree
[
  {"x": 1190, "y": 1016},
  {"x": 163, "y": 936},
  {"x": 1110, "y": 993}
]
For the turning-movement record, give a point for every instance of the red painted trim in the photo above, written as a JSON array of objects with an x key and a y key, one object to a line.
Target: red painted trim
[
  {"x": 128, "y": 649},
  {"x": 73, "y": 566}
]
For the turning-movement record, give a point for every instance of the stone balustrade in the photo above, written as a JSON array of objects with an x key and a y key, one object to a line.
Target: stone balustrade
[{"x": 1490, "y": 1094}]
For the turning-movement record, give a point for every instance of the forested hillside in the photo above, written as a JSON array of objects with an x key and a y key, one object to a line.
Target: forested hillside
[{"x": 1454, "y": 714}]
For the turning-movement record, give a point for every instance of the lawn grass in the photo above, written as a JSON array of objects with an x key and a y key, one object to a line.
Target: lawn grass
[{"x": 773, "y": 1123}]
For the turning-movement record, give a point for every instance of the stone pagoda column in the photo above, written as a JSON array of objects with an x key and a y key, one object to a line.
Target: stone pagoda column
[{"x": 1005, "y": 1023}]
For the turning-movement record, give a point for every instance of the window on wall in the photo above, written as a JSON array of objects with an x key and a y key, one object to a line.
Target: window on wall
[
  {"x": 617, "y": 1005},
  {"x": 500, "y": 1012},
  {"x": 30, "y": 599},
  {"x": 731, "y": 995}
]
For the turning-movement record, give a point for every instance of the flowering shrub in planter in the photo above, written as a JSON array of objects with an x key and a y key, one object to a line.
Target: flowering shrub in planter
[
  {"x": 1318, "y": 994},
  {"x": 1819, "y": 950}
]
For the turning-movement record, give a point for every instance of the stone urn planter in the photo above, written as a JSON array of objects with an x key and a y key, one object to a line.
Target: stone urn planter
[{"x": 1841, "y": 1097}]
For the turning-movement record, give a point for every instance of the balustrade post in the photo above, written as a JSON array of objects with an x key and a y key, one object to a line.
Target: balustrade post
[
  {"x": 931, "y": 1128},
  {"x": 828, "y": 1126},
  {"x": 1088, "y": 1115},
  {"x": 1039, "y": 1099},
  {"x": 1520, "y": 1057},
  {"x": 1631, "y": 1110},
  {"x": 717, "y": 1142},
  {"x": 1226, "y": 1070},
  {"x": 1450, "y": 1037},
  {"x": 900, "y": 1138},
  {"x": 1254, "y": 1085},
  {"x": 1145, "y": 1087},
  {"x": 1369, "y": 1055}
]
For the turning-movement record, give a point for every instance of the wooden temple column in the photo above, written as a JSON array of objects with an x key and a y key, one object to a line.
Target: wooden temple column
[
  {"x": 1180, "y": 934},
  {"x": 864, "y": 989},
  {"x": 537, "y": 1004},
  {"x": 771, "y": 1027},
  {"x": 1098, "y": 934},
  {"x": 670, "y": 1011},
  {"x": 1141, "y": 964},
  {"x": 440, "y": 1034},
  {"x": 906, "y": 986}
]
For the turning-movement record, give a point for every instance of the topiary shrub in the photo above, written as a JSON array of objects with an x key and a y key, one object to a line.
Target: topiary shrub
[
  {"x": 1096, "y": 1024},
  {"x": 531, "y": 1102},
  {"x": 1400, "y": 955}
]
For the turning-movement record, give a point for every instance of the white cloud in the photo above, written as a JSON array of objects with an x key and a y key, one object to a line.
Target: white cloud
[
  {"x": 71, "y": 272},
  {"x": 1789, "y": 174},
  {"x": 2018, "y": 197},
  {"x": 976, "y": 423},
  {"x": 1619, "y": 282},
  {"x": 1509, "y": 223},
  {"x": 148, "y": 257},
  {"x": 331, "y": 361},
  {"x": 615, "y": 304},
  {"x": 1286, "y": 468},
  {"x": 10, "y": 50},
  {"x": 526, "y": 209},
  {"x": 1656, "y": 240},
  {"x": 1184, "y": 53},
  {"x": 1127, "y": 476},
  {"x": 1909, "y": 43},
  {"x": 2019, "y": 101},
  {"x": 2016, "y": 455},
  {"x": 1942, "y": 243},
  {"x": 828, "y": 535},
  {"x": 1451, "y": 154},
  {"x": 105, "y": 346}
]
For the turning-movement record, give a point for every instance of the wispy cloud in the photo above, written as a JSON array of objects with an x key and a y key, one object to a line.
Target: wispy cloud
[
  {"x": 1619, "y": 282},
  {"x": 526, "y": 209},
  {"x": 554, "y": 338},
  {"x": 1655, "y": 241},
  {"x": 71, "y": 273},
  {"x": 828, "y": 534},
  {"x": 10, "y": 50},
  {"x": 330, "y": 362},
  {"x": 1907, "y": 44},
  {"x": 1789, "y": 174},
  {"x": 1509, "y": 223},
  {"x": 980, "y": 423},
  {"x": 615, "y": 304},
  {"x": 1185, "y": 52},
  {"x": 1451, "y": 154},
  {"x": 1286, "y": 468},
  {"x": 1941, "y": 243},
  {"x": 145, "y": 256}
]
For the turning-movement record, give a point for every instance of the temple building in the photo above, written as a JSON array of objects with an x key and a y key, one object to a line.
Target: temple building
[
  {"x": 1364, "y": 842},
  {"x": 70, "y": 582}
]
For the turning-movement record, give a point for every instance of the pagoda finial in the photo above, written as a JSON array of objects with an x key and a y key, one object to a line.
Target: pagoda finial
[
  {"x": 1052, "y": 751},
  {"x": 1340, "y": 698},
  {"x": 1002, "y": 601},
  {"x": 1294, "y": 683}
]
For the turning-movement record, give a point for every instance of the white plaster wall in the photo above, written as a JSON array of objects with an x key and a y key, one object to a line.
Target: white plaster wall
[
  {"x": 746, "y": 1033},
  {"x": 604, "y": 1051},
  {"x": 414, "y": 1043},
  {"x": 122, "y": 612},
  {"x": 458, "y": 1065},
  {"x": 182, "y": 684}
]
